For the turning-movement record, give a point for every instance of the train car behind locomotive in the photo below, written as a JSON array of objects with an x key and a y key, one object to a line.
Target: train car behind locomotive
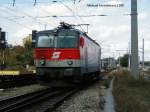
[{"x": 67, "y": 54}]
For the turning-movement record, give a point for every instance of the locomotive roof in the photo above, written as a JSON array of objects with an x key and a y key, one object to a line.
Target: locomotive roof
[{"x": 53, "y": 30}]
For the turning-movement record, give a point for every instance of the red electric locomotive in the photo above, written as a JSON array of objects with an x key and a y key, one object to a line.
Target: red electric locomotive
[{"x": 67, "y": 54}]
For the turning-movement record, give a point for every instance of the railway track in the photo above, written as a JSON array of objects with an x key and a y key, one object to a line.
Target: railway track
[{"x": 23, "y": 103}]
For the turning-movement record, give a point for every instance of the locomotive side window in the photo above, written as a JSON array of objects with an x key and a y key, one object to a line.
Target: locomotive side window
[{"x": 45, "y": 41}]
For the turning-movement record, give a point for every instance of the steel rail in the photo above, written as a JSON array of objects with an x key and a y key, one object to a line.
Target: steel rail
[
  {"x": 54, "y": 97},
  {"x": 17, "y": 102},
  {"x": 56, "y": 102}
]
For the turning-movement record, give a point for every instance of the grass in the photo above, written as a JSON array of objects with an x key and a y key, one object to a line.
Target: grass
[
  {"x": 131, "y": 95},
  {"x": 106, "y": 82}
]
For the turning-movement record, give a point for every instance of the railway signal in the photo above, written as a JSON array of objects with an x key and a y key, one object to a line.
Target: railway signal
[
  {"x": 33, "y": 38},
  {"x": 3, "y": 40},
  {"x": 2, "y": 48}
]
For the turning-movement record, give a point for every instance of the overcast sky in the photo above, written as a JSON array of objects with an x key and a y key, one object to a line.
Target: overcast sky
[{"x": 112, "y": 32}]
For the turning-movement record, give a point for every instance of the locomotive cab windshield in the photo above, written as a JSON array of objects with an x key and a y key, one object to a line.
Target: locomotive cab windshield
[
  {"x": 62, "y": 40},
  {"x": 45, "y": 40}
]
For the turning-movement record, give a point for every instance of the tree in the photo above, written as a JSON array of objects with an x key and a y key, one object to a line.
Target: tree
[
  {"x": 28, "y": 56},
  {"x": 124, "y": 60},
  {"x": 19, "y": 55}
]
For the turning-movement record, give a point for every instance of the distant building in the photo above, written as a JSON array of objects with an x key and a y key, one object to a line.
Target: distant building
[
  {"x": 146, "y": 65},
  {"x": 27, "y": 39},
  {"x": 109, "y": 63}
]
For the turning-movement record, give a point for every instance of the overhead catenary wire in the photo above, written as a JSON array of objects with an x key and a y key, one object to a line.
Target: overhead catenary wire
[
  {"x": 43, "y": 10},
  {"x": 74, "y": 15},
  {"x": 14, "y": 20},
  {"x": 19, "y": 23},
  {"x": 69, "y": 16},
  {"x": 43, "y": 21},
  {"x": 34, "y": 19},
  {"x": 55, "y": 16},
  {"x": 25, "y": 16}
]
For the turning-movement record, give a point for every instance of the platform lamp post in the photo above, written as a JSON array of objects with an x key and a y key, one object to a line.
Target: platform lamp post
[{"x": 134, "y": 40}]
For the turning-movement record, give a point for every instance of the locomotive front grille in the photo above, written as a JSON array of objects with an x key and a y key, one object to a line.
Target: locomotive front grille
[
  {"x": 68, "y": 72},
  {"x": 57, "y": 73}
]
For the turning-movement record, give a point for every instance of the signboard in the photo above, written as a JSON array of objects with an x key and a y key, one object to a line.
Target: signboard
[{"x": 9, "y": 72}]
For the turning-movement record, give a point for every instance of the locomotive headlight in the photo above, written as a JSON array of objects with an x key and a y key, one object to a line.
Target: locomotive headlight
[
  {"x": 42, "y": 62},
  {"x": 69, "y": 62}
]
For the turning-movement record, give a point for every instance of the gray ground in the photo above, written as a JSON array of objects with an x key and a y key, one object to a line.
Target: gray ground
[{"x": 90, "y": 100}]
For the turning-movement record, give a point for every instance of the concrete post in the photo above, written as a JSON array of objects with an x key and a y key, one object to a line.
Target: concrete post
[{"x": 134, "y": 40}]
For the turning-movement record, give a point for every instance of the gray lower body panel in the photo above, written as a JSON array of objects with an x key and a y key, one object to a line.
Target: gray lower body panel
[{"x": 50, "y": 73}]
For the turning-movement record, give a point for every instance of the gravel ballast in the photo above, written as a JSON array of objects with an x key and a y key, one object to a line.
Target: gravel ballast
[{"x": 89, "y": 100}]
